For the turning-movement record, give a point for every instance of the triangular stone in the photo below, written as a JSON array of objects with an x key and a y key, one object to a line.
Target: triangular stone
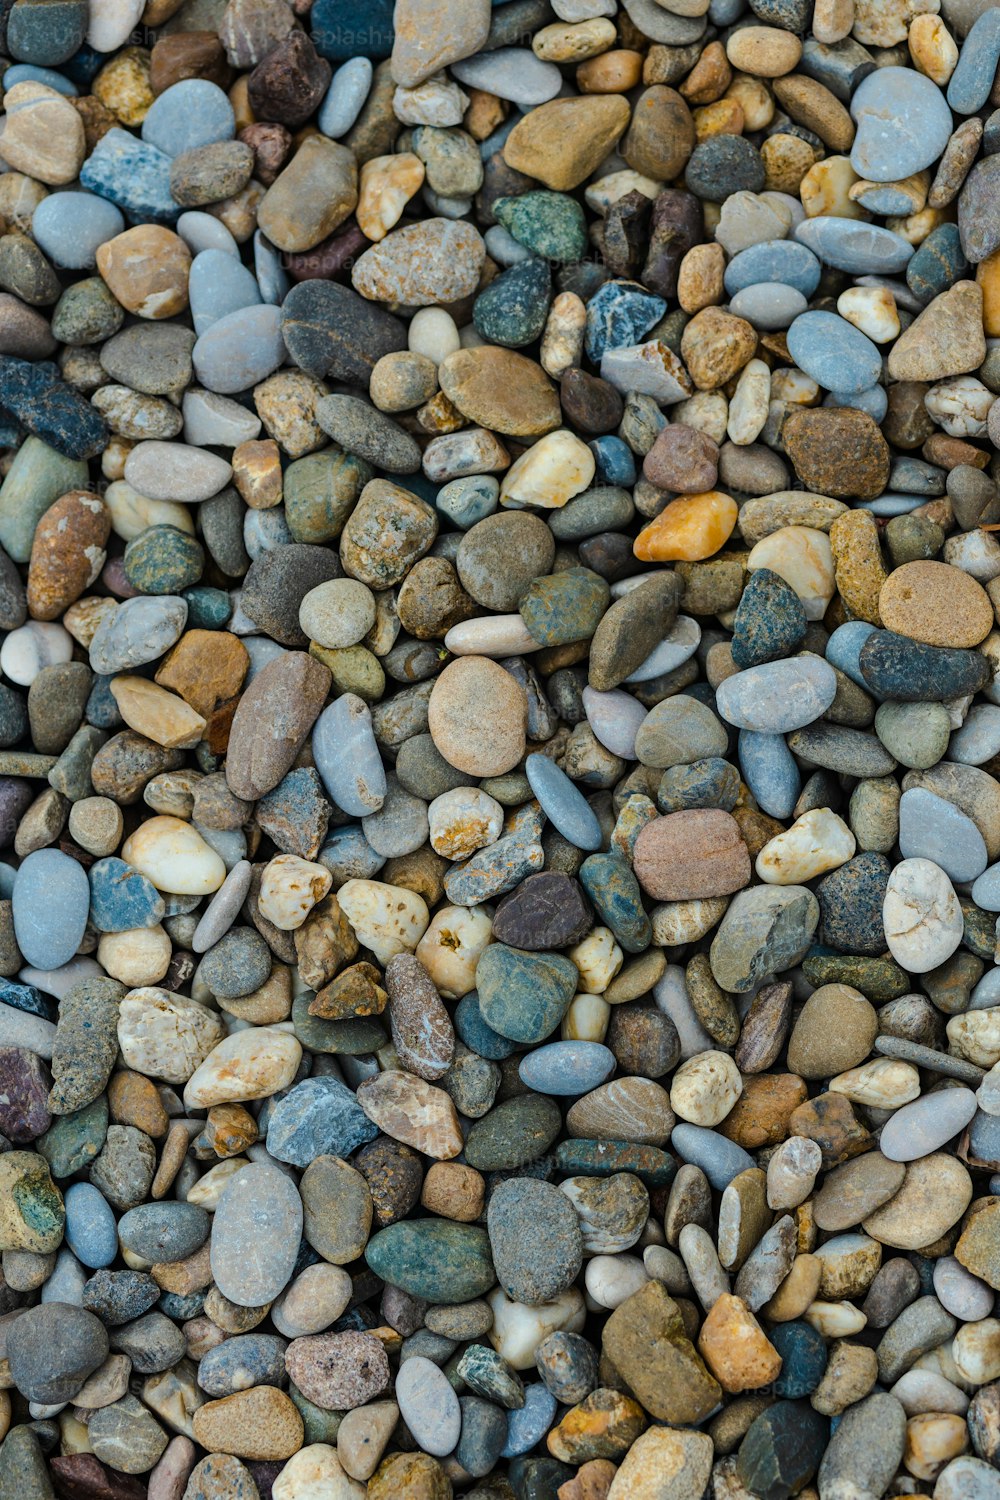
[{"x": 945, "y": 339}]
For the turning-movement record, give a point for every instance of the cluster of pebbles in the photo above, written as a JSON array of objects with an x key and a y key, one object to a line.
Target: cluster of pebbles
[{"x": 499, "y": 737}]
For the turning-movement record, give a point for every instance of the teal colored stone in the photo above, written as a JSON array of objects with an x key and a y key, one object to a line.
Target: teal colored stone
[
  {"x": 938, "y": 263},
  {"x": 353, "y": 1037},
  {"x": 513, "y": 309},
  {"x": 72, "y": 1141},
  {"x": 524, "y": 995},
  {"x": 321, "y": 1426},
  {"x": 163, "y": 560},
  {"x": 712, "y": 782},
  {"x": 490, "y": 1376},
  {"x": 475, "y": 1033},
  {"x": 562, "y": 607},
  {"x": 617, "y": 899},
  {"x": 595, "y": 1158},
  {"x": 980, "y": 930},
  {"x": 770, "y": 620},
  {"x": 320, "y": 492},
  {"x": 803, "y": 1358},
  {"x": 36, "y": 478},
  {"x": 439, "y": 1261},
  {"x": 548, "y": 224},
  {"x": 208, "y": 609}
]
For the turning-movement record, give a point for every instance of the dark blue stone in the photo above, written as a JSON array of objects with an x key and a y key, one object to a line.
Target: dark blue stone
[
  {"x": 614, "y": 460},
  {"x": 907, "y": 670},
  {"x": 618, "y": 315},
  {"x": 342, "y": 29},
  {"x": 84, "y": 66},
  {"x": 102, "y": 709},
  {"x": 803, "y": 1358},
  {"x": 851, "y": 900},
  {"x": 770, "y": 620},
  {"x": 782, "y": 1450},
  {"x": 26, "y": 997},
  {"x": 51, "y": 409}
]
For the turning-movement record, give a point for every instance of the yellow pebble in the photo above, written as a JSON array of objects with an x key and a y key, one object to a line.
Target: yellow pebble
[
  {"x": 724, "y": 117},
  {"x": 561, "y": 43},
  {"x": 688, "y": 529},
  {"x": 826, "y": 187},
  {"x": 988, "y": 276},
  {"x": 932, "y": 48}
]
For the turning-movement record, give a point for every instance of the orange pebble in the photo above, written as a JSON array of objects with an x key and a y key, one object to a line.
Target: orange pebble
[
  {"x": 688, "y": 529},
  {"x": 610, "y": 73}
]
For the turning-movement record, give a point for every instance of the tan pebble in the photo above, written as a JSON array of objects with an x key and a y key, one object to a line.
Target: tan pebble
[
  {"x": 573, "y": 42},
  {"x": 699, "y": 279},
  {"x": 825, "y": 189},
  {"x": 704, "y": 1089},
  {"x": 414, "y": 1112},
  {"x": 563, "y": 141},
  {"x": 67, "y": 553},
  {"x": 257, "y": 473},
  {"x": 562, "y": 341},
  {"x": 832, "y": 20},
  {"x": 764, "y": 51},
  {"x": 453, "y": 1191},
  {"x": 754, "y": 98},
  {"x": 872, "y": 309},
  {"x": 932, "y": 1440},
  {"x": 614, "y": 72},
  {"x": 937, "y": 604},
  {"x": 43, "y": 134},
  {"x": 710, "y": 77},
  {"x": 387, "y": 184},
  {"x": 157, "y": 714},
  {"x": 261, "y": 1423},
  {"x": 799, "y": 1288},
  {"x": 468, "y": 742},
  {"x": 136, "y": 957},
  {"x": 290, "y": 887},
  {"x": 735, "y": 1347},
  {"x": 250, "y": 1064},
  {"x": 147, "y": 269},
  {"x": 811, "y": 104},
  {"x": 932, "y": 47}
]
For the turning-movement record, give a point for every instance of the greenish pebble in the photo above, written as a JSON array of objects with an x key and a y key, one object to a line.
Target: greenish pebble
[
  {"x": 320, "y": 491},
  {"x": 36, "y": 478},
  {"x": 917, "y": 734},
  {"x": 980, "y": 929},
  {"x": 912, "y": 538},
  {"x": 515, "y": 1133},
  {"x": 513, "y": 309},
  {"x": 163, "y": 560},
  {"x": 524, "y": 995},
  {"x": 353, "y": 1037},
  {"x": 564, "y": 607},
  {"x": 595, "y": 1158},
  {"x": 606, "y": 507},
  {"x": 548, "y": 224},
  {"x": 321, "y": 1426},
  {"x": 73, "y": 1141},
  {"x": 436, "y": 1259},
  {"x": 878, "y": 979},
  {"x": 874, "y": 813},
  {"x": 208, "y": 609},
  {"x": 87, "y": 313}
]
